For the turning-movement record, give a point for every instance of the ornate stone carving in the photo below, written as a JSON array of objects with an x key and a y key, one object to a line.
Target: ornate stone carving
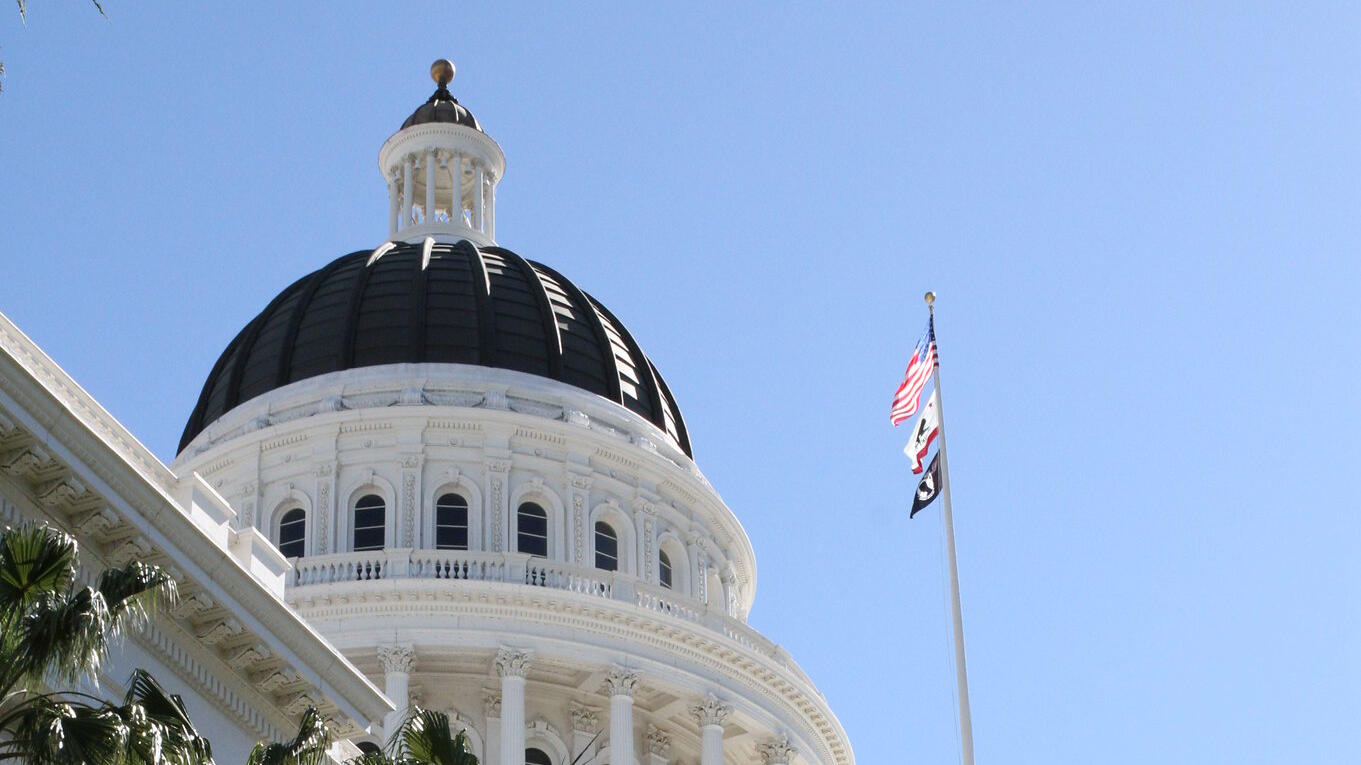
[
  {"x": 192, "y": 606},
  {"x": 248, "y": 656},
  {"x": 512, "y": 662},
  {"x": 491, "y": 704},
  {"x": 710, "y": 711},
  {"x": 277, "y": 679},
  {"x": 409, "y": 507},
  {"x": 299, "y": 704},
  {"x": 584, "y": 718},
  {"x": 396, "y": 658},
  {"x": 776, "y": 751},
  {"x": 658, "y": 740},
  {"x": 323, "y": 516},
  {"x": 97, "y": 523},
  {"x": 622, "y": 681},
  {"x": 60, "y": 491},
  {"x": 219, "y": 631},
  {"x": 579, "y": 522},
  {"x": 410, "y": 461}
]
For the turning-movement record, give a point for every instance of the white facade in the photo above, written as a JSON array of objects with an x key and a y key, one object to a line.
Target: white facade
[{"x": 652, "y": 663}]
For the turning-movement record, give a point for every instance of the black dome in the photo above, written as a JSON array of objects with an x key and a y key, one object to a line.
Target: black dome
[
  {"x": 442, "y": 107},
  {"x": 466, "y": 305}
]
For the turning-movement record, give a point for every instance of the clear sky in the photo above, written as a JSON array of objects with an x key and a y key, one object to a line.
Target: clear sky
[{"x": 1143, "y": 227}]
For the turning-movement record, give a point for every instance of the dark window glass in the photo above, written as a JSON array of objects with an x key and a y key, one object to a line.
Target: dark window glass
[
  {"x": 293, "y": 533},
  {"x": 368, "y": 747},
  {"x": 537, "y": 757},
  {"x": 606, "y": 547},
  {"x": 370, "y": 520},
  {"x": 532, "y": 535},
  {"x": 665, "y": 568},
  {"x": 451, "y": 523}
]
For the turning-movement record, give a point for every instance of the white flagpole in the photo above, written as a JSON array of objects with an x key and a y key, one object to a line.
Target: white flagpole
[{"x": 961, "y": 672}]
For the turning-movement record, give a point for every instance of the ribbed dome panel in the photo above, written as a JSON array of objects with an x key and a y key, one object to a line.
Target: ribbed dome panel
[{"x": 437, "y": 303}]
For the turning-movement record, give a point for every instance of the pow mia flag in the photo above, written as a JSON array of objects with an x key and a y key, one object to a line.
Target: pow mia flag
[{"x": 929, "y": 488}]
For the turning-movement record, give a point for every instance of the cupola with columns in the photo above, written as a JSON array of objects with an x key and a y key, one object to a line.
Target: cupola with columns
[{"x": 442, "y": 171}]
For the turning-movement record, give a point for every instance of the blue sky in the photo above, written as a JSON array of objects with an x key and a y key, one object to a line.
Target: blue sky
[{"x": 1142, "y": 224}]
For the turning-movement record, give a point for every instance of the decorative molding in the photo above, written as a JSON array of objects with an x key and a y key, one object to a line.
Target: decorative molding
[
  {"x": 584, "y": 718},
  {"x": 512, "y": 662},
  {"x": 658, "y": 740},
  {"x": 710, "y": 711},
  {"x": 409, "y": 509},
  {"x": 776, "y": 751},
  {"x": 622, "y": 681},
  {"x": 396, "y": 658},
  {"x": 491, "y": 704}
]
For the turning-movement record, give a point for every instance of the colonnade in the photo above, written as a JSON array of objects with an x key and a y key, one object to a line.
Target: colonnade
[
  {"x": 437, "y": 165},
  {"x": 505, "y": 731}
]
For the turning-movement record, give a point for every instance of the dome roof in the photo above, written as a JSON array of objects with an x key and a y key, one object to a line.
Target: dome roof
[
  {"x": 437, "y": 303},
  {"x": 442, "y": 107}
]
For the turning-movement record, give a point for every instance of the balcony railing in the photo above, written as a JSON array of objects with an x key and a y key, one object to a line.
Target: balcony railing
[{"x": 516, "y": 568}]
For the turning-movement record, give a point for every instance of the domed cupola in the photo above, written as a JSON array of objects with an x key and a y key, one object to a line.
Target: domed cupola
[
  {"x": 439, "y": 292},
  {"x": 442, "y": 171}
]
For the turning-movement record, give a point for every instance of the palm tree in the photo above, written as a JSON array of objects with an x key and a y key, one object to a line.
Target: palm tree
[
  {"x": 23, "y": 16},
  {"x": 53, "y": 631},
  {"x": 424, "y": 738}
]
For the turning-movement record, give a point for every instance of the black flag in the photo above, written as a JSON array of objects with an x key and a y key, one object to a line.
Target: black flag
[{"x": 928, "y": 488}]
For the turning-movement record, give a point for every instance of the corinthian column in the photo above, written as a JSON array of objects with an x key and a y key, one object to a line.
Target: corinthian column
[
  {"x": 710, "y": 714},
  {"x": 621, "y": 684},
  {"x": 512, "y": 665},
  {"x": 776, "y": 751},
  {"x": 396, "y": 661}
]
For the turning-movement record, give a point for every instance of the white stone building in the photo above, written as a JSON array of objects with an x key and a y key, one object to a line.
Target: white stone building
[{"x": 440, "y": 470}]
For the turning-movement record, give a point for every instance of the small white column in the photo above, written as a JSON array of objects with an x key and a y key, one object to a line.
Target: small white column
[
  {"x": 512, "y": 665},
  {"x": 491, "y": 208},
  {"x": 710, "y": 714},
  {"x": 456, "y": 193},
  {"x": 407, "y": 191},
  {"x": 396, "y": 661},
  {"x": 478, "y": 203},
  {"x": 621, "y": 684},
  {"x": 430, "y": 186},
  {"x": 394, "y": 203}
]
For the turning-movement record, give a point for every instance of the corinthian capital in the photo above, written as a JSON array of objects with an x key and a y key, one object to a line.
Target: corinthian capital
[
  {"x": 396, "y": 658},
  {"x": 710, "y": 711},
  {"x": 622, "y": 681},
  {"x": 511, "y": 662},
  {"x": 776, "y": 751}
]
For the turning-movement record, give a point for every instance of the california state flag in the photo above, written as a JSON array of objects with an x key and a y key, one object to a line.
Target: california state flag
[{"x": 928, "y": 427}]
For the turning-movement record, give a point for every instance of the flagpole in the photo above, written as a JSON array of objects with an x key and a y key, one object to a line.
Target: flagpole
[{"x": 961, "y": 672}]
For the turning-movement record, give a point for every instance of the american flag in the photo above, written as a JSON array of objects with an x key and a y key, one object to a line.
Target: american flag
[{"x": 918, "y": 372}]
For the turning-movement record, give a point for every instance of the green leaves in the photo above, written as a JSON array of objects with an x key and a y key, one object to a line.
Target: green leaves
[
  {"x": 53, "y": 630},
  {"x": 306, "y": 748}
]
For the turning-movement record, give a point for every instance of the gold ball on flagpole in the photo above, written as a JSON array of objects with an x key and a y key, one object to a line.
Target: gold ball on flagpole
[
  {"x": 930, "y": 298},
  {"x": 442, "y": 72}
]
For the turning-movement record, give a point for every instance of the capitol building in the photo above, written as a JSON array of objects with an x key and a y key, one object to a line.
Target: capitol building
[{"x": 431, "y": 472}]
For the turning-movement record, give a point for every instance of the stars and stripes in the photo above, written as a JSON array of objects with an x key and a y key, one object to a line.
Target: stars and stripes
[{"x": 919, "y": 370}]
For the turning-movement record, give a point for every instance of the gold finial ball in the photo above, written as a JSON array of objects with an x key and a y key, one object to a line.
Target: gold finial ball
[
  {"x": 930, "y": 298},
  {"x": 442, "y": 71}
]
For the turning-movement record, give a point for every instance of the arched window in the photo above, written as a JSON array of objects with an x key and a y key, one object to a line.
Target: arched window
[
  {"x": 606, "y": 547},
  {"x": 664, "y": 574},
  {"x": 537, "y": 757},
  {"x": 532, "y": 530},
  {"x": 293, "y": 533},
  {"x": 368, "y": 747},
  {"x": 370, "y": 523},
  {"x": 451, "y": 522}
]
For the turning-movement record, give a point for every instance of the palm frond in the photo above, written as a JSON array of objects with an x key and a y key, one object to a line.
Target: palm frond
[
  {"x": 161, "y": 731},
  {"x": 426, "y": 737},
  {"x": 55, "y": 732},
  {"x": 307, "y": 748},
  {"x": 64, "y": 636},
  {"x": 34, "y": 561},
  {"x": 135, "y": 590}
]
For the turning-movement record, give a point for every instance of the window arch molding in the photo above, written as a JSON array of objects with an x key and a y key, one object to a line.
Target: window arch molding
[
  {"x": 541, "y": 735},
  {"x": 675, "y": 549},
  {"x": 462, "y": 486},
  {"x": 459, "y": 722},
  {"x": 611, "y": 513},
  {"x": 279, "y": 501},
  {"x": 355, "y": 490},
  {"x": 546, "y": 498}
]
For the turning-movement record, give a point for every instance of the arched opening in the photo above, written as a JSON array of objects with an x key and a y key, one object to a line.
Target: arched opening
[
  {"x": 664, "y": 572},
  {"x": 370, "y": 523},
  {"x": 368, "y": 747},
  {"x": 606, "y": 547},
  {"x": 451, "y": 522},
  {"x": 535, "y": 756},
  {"x": 293, "y": 533},
  {"x": 532, "y": 530}
]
